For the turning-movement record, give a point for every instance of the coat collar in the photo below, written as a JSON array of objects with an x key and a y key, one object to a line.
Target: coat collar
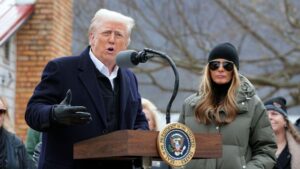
[{"x": 246, "y": 89}]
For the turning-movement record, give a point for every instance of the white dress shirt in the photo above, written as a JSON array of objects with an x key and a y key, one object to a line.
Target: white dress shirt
[{"x": 104, "y": 70}]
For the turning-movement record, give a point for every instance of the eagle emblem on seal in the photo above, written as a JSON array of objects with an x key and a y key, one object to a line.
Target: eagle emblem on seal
[{"x": 177, "y": 146}]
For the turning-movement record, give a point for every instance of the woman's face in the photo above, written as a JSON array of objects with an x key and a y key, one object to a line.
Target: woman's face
[
  {"x": 2, "y": 113},
  {"x": 277, "y": 121},
  {"x": 221, "y": 71}
]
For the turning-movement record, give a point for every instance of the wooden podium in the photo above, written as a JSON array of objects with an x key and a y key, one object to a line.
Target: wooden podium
[{"x": 139, "y": 143}]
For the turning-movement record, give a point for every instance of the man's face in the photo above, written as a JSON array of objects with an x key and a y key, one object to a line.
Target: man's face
[{"x": 107, "y": 40}]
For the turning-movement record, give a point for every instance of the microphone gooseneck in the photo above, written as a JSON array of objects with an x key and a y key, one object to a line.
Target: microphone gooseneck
[
  {"x": 131, "y": 58},
  {"x": 176, "y": 83}
]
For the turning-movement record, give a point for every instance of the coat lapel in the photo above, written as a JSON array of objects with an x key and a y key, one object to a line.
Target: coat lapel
[
  {"x": 88, "y": 78},
  {"x": 124, "y": 94}
]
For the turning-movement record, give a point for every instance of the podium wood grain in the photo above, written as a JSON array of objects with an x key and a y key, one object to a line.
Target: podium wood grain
[{"x": 139, "y": 143}]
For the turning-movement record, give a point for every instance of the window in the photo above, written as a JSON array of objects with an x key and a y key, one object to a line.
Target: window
[{"x": 7, "y": 52}]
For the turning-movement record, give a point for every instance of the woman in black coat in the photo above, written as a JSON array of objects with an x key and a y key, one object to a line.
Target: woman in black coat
[{"x": 13, "y": 153}]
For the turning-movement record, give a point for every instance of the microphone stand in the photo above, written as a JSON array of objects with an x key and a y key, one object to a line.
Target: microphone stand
[{"x": 149, "y": 53}]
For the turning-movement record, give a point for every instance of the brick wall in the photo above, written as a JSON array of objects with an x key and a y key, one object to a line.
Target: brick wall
[{"x": 46, "y": 35}]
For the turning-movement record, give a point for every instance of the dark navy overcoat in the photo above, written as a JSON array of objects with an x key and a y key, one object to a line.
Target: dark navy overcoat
[{"x": 78, "y": 74}]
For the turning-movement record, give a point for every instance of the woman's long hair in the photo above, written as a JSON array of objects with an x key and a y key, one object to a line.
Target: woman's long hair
[{"x": 207, "y": 111}]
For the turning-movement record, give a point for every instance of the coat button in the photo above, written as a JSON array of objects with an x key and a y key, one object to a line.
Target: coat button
[
  {"x": 217, "y": 127},
  {"x": 244, "y": 166},
  {"x": 104, "y": 131},
  {"x": 243, "y": 103}
]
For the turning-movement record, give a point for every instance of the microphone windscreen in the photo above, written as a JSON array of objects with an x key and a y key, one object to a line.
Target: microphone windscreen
[{"x": 126, "y": 58}]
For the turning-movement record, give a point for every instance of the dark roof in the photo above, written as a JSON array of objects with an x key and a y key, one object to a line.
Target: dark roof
[{"x": 12, "y": 16}]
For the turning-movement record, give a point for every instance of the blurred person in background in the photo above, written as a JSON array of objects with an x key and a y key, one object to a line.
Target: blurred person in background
[
  {"x": 152, "y": 116},
  {"x": 287, "y": 136},
  {"x": 33, "y": 137},
  {"x": 13, "y": 154},
  {"x": 227, "y": 103},
  {"x": 33, "y": 145}
]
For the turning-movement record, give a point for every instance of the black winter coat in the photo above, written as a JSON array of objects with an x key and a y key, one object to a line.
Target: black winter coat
[{"x": 17, "y": 157}]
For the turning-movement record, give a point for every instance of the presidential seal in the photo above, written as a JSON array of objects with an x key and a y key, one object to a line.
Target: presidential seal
[{"x": 176, "y": 144}]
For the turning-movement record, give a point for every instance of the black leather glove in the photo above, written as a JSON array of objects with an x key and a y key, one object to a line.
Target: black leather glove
[{"x": 66, "y": 114}]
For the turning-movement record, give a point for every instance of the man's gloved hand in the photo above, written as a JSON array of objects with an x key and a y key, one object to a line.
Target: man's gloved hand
[{"x": 66, "y": 114}]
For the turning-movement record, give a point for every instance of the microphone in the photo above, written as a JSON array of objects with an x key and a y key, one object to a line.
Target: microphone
[{"x": 131, "y": 58}]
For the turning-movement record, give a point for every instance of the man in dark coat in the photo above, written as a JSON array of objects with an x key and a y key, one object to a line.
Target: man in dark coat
[{"x": 85, "y": 96}]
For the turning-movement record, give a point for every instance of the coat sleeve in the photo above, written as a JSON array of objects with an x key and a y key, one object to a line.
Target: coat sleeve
[
  {"x": 46, "y": 94},
  {"x": 262, "y": 139}
]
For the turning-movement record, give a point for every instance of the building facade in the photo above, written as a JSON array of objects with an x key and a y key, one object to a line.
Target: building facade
[{"x": 45, "y": 35}]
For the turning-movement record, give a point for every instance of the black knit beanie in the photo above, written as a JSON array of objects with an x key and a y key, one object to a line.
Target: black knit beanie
[
  {"x": 277, "y": 104},
  {"x": 225, "y": 51}
]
